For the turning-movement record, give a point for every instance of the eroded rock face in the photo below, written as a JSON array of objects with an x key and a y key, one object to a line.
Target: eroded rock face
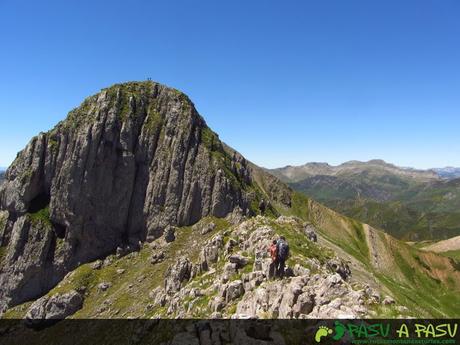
[
  {"x": 234, "y": 290},
  {"x": 319, "y": 296},
  {"x": 210, "y": 252},
  {"x": 170, "y": 234},
  {"x": 54, "y": 308},
  {"x": 29, "y": 266},
  {"x": 129, "y": 162},
  {"x": 239, "y": 260},
  {"x": 339, "y": 266},
  {"x": 310, "y": 231},
  {"x": 203, "y": 229},
  {"x": 177, "y": 274}
]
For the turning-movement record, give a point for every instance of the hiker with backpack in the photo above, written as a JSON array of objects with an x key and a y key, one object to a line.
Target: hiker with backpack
[
  {"x": 273, "y": 249},
  {"x": 283, "y": 254}
]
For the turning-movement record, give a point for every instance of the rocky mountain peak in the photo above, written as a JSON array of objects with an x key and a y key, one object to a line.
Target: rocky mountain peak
[{"x": 128, "y": 162}]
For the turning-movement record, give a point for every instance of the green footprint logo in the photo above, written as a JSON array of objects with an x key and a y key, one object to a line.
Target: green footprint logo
[
  {"x": 322, "y": 331},
  {"x": 339, "y": 331}
]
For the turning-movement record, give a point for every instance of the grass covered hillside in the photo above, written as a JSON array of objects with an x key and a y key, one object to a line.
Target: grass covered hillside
[
  {"x": 426, "y": 282},
  {"x": 426, "y": 212}
]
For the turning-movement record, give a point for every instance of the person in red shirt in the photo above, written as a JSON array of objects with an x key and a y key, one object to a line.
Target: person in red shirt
[{"x": 274, "y": 255}]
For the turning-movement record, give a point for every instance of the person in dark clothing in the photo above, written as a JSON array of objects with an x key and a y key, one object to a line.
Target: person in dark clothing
[
  {"x": 283, "y": 254},
  {"x": 274, "y": 255}
]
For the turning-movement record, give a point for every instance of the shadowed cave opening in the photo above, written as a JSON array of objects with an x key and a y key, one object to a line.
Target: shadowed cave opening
[
  {"x": 40, "y": 202},
  {"x": 59, "y": 230}
]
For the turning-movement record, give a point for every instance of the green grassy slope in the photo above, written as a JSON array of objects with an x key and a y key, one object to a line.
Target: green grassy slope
[{"x": 427, "y": 283}]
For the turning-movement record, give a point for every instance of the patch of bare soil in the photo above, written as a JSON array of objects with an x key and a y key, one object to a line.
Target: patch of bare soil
[{"x": 445, "y": 245}]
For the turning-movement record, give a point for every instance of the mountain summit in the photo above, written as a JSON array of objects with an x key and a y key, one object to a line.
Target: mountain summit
[{"x": 128, "y": 162}]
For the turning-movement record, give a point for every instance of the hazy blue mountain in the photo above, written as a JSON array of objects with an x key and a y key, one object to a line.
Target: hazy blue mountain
[
  {"x": 407, "y": 203},
  {"x": 448, "y": 172}
]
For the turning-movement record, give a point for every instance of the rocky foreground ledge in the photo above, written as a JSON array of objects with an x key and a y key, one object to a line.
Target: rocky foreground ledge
[{"x": 215, "y": 270}]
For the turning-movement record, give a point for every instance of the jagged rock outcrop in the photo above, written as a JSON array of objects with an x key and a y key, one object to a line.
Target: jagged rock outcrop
[
  {"x": 54, "y": 308},
  {"x": 340, "y": 267},
  {"x": 28, "y": 264},
  {"x": 169, "y": 234},
  {"x": 177, "y": 274},
  {"x": 306, "y": 296},
  {"x": 129, "y": 162},
  {"x": 210, "y": 252},
  {"x": 310, "y": 231},
  {"x": 235, "y": 281}
]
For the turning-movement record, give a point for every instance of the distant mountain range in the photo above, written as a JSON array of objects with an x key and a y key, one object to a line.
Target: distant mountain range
[
  {"x": 408, "y": 203},
  {"x": 297, "y": 173},
  {"x": 448, "y": 172}
]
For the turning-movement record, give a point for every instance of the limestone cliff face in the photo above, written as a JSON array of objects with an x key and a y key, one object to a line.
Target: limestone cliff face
[{"x": 129, "y": 161}]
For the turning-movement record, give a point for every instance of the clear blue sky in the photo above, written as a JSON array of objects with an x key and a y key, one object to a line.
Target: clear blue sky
[{"x": 283, "y": 82}]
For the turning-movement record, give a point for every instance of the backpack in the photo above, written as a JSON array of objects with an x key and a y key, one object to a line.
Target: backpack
[{"x": 283, "y": 250}]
